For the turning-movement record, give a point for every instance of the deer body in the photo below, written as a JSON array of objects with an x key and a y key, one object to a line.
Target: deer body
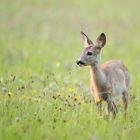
[{"x": 107, "y": 80}]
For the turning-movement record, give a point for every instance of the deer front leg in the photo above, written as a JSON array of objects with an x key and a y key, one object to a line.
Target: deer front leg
[
  {"x": 98, "y": 102},
  {"x": 99, "y": 105}
]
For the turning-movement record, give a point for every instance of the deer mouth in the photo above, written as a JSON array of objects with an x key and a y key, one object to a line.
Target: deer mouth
[{"x": 80, "y": 63}]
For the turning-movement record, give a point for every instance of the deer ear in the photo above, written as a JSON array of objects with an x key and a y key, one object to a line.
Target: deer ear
[
  {"x": 87, "y": 41},
  {"x": 101, "y": 40}
]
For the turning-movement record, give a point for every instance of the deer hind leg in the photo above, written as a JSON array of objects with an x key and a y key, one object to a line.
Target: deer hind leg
[
  {"x": 125, "y": 102},
  {"x": 111, "y": 107}
]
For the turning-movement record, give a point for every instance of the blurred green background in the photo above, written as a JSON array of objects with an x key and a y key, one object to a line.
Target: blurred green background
[
  {"x": 37, "y": 34},
  {"x": 39, "y": 37}
]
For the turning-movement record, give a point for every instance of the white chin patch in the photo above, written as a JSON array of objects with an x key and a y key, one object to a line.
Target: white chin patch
[{"x": 81, "y": 65}]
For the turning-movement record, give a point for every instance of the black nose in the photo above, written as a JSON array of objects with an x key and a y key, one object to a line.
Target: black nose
[{"x": 79, "y": 62}]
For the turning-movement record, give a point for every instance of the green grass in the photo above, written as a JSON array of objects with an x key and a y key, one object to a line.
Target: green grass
[{"x": 43, "y": 94}]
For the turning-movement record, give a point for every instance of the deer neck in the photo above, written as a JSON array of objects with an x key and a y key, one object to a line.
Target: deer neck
[{"x": 98, "y": 77}]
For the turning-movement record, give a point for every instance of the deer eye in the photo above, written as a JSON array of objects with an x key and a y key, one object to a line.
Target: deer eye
[{"x": 89, "y": 53}]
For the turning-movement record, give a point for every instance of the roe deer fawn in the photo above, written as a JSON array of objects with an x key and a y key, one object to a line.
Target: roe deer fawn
[{"x": 107, "y": 80}]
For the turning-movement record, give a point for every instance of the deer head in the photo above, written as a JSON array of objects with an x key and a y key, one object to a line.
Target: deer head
[{"x": 91, "y": 52}]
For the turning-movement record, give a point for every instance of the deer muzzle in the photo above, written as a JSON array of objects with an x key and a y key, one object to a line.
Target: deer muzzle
[{"x": 80, "y": 63}]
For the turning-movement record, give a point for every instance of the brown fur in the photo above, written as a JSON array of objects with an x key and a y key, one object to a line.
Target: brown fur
[{"x": 107, "y": 80}]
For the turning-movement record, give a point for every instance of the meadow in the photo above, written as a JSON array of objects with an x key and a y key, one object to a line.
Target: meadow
[{"x": 44, "y": 95}]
